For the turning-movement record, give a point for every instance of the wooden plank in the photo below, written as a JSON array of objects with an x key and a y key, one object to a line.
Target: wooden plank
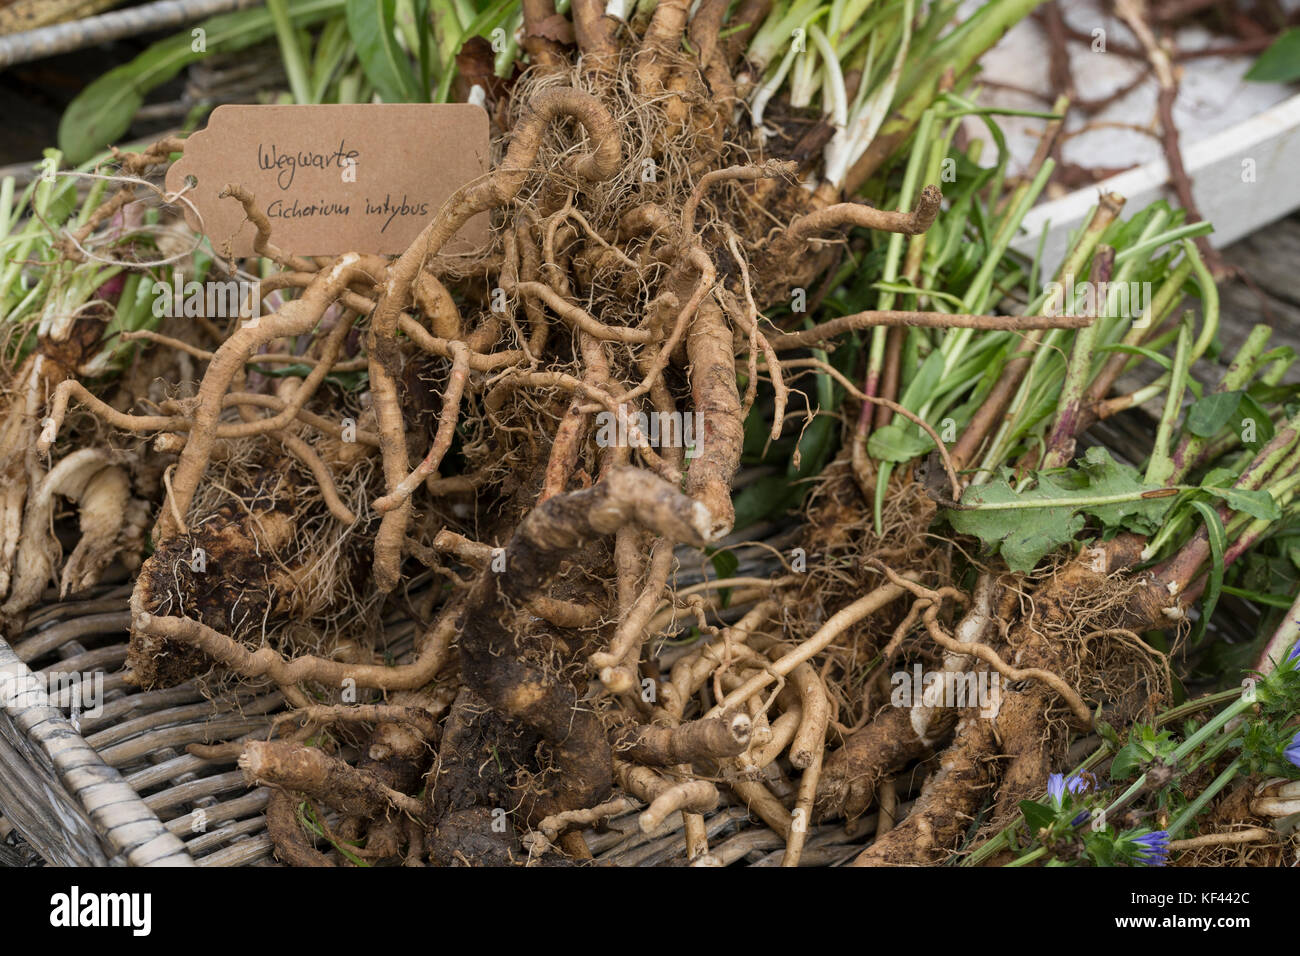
[{"x": 1243, "y": 179}]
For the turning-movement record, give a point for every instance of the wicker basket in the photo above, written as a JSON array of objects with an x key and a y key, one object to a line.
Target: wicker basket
[{"x": 116, "y": 787}]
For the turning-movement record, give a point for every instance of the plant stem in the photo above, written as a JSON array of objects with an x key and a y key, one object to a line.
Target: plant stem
[
  {"x": 1160, "y": 467},
  {"x": 1204, "y": 797},
  {"x": 290, "y": 51}
]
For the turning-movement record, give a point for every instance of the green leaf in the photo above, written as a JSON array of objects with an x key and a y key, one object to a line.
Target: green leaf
[
  {"x": 1107, "y": 733},
  {"x": 1257, "y": 504},
  {"x": 372, "y": 24},
  {"x": 103, "y": 111},
  {"x": 1254, "y": 420},
  {"x": 1024, "y": 526},
  {"x": 1037, "y": 815},
  {"x": 1164, "y": 361},
  {"x": 1107, "y": 477},
  {"x": 724, "y": 563},
  {"x": 1212, "y": 412},
  {"x": 1218, "y": 544},
  {"x": 898, "y": 442},
  {"x": 1100, "y": 847},
  {"x": 1022, "y": 537},
  {"x": 1280, "y": 63},
  {"x": 769, "y": 495}
]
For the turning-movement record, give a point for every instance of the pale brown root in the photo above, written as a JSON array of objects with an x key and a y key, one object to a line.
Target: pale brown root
[
  {"x": 691, "y": 672},
  {"x": 768, "y": 170},
  {"x": 262, "y": 358},
  {"x": 104, "y": 517},
  {"x": 985, "y": 653},
  {"x": 1253, "y": 835},
  {"x": 947, "y": 803},
  {"x": 436, "y": 302},
  {"x": 810, "y": 740},
  {"x": 320, "y": 471},
  {"x": 498, "y": 189},
  {"x": 478, "y": 361},
  {"x": 71, "y": 388},
  {"x": 780, "y": 734},
  {"x": 708, "y": 275},
  {"x": 262, "y": 244},
  {"x": 717, "y": 402},
  {"x": 321, "y": 714},
  {"x": 333, "y": 782},
  {"x": 580, "y": 318},
  {"x": 782, "y": 341},
  {"x": 839, "y": 622},
  {"x": 595, "y": 34},
  {"x": 802, "y": 816},
  {"x": 88, "y": 477},
  {"x": 265, "y": 662},
  {"x": 617, "y": 666},
  {"x": 565, "y": 451},
  {"x": 548, "y": 830},
  {"x": 762, "y": 803},
  {"x": 318, "y": 422},
  {"x": 543, "y": 30},
  {"x": 664, "y": 796},
  {"x": 442, "y": 440},
  {"x": 847, "y": 215},
  {"x": 887, "y": 807},
  {"x": 978, "y": 620},
  {"x": 282, "y": 826},
  {"x": 748, "y": 320},
  {"x": 852, "y": 774},
  {"x": 294, "y": 318},
  {"x": 706, "y": 739},
  {"x": 662, "y": 37},
  {"x": 704, "y": 32}
]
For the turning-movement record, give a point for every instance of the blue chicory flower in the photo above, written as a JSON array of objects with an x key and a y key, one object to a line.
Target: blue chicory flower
[
  {"x": 1154, "y": 848},
  {"x": 1292, "y": 753}
]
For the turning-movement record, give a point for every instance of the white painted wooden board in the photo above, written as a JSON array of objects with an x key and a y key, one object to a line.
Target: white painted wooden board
[
  {"x": 1242, "y": 178},
  {"x": 1223, "y": 120}
]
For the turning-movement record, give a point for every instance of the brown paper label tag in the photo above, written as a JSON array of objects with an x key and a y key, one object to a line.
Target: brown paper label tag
[{"x": 334, "y": 178}]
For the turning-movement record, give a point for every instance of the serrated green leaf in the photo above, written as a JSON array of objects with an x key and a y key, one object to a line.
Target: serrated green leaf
[
  {"x": 1107, "y": 477},
  {"x": 1022, "y": 537},
  {"x": 1025, "y": 526},
  {"x": 1211, "y": 413}
]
